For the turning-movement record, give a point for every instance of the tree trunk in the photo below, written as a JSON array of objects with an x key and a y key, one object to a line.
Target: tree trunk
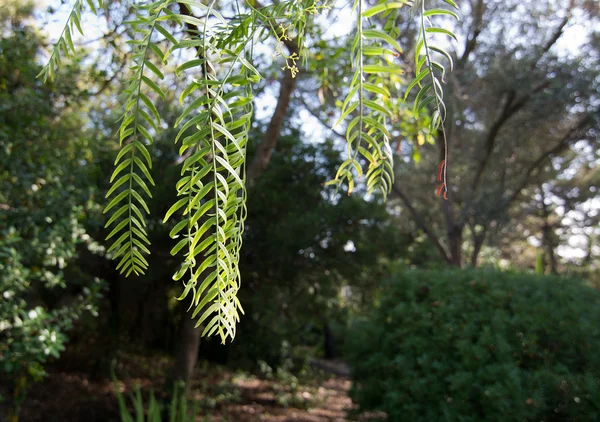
[
  {"x": 548, "y": 237},
  {"x": 589, "y": 253},
  {"x": 455, "y": 238},
  {"x": 187, "y": 351},
  {"x": 478, "y": 241},
  {"x": 265, "y": 148},
  {"x": 107, "y": 346},
  {"x": 475, "y": 254},
  {"x": 329, "y": 342}
]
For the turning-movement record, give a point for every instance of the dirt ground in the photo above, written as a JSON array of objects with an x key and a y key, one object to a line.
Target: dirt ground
[{"x": 222, "y": 395}]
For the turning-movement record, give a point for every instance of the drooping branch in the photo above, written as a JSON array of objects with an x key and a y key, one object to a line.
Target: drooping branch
[{"x": 287, "y": 84}]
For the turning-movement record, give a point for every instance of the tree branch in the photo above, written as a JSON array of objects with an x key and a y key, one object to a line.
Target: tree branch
[
  {"x": 316, "y": 116},
  {"x": 265, "y": 149},
  {"x": 511, "y": 107},
  {"x": 420, "y": 222},
  {"x": 478, "y": 241},
  {"x": 569, "y": 137},
  {"x": 556, "y": 36},
  {"x": 472, "y": 40},
  {"x": 193, "y": 30}
]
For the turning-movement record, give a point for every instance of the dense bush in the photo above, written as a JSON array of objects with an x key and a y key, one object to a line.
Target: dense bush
[
  {"x": 479, "y": 346},
  {"x": 45, "y": 198}
]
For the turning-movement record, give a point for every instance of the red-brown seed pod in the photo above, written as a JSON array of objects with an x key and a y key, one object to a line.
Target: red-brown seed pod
[
  {"x": 440, "y": 171},
  {"x": 439, "y": 189}
]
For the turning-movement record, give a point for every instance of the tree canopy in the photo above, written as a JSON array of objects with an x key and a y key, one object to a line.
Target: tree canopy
[{"x": 214, "y": 56}]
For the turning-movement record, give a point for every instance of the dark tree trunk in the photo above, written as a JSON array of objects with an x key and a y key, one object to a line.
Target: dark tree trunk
[
  {"x": 589, "y": 253},
  {"x": 187, "y": 351},
  {"x": 455, "y": 238},
  {"x": 478, "y": 241},
  {"x": 329, "y": 342},
  {"x": 475, "y": 254},
  {"x": 548, "y": 238},
  {"x": 550, "y": 256},
  {"x": 265, "y": 148},
  {"x": 107, "y": 346}
]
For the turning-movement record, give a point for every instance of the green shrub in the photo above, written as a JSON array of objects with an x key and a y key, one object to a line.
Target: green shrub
[{"x": 479, "y": 346}]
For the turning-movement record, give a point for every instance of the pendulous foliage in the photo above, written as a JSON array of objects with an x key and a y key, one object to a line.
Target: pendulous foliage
[
  {"x": 430, "y": 88},
  {"x": 214, "y": 57}
]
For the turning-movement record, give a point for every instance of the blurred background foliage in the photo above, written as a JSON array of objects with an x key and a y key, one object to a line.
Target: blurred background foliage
[
  {"x": 476, "y": 345},
  {"x": 327, "y": 279}
]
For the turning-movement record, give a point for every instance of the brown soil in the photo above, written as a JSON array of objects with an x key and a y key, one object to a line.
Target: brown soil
[{"x": 221, "y": 394}]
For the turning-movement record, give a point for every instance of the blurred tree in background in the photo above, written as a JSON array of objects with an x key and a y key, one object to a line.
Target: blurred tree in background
[
  {"x": 523, "y": 113},
  {"x": 44, "y": 196}
]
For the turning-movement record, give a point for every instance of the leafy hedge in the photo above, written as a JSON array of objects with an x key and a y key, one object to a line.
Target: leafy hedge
[{"x": 479, "y": 346}]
